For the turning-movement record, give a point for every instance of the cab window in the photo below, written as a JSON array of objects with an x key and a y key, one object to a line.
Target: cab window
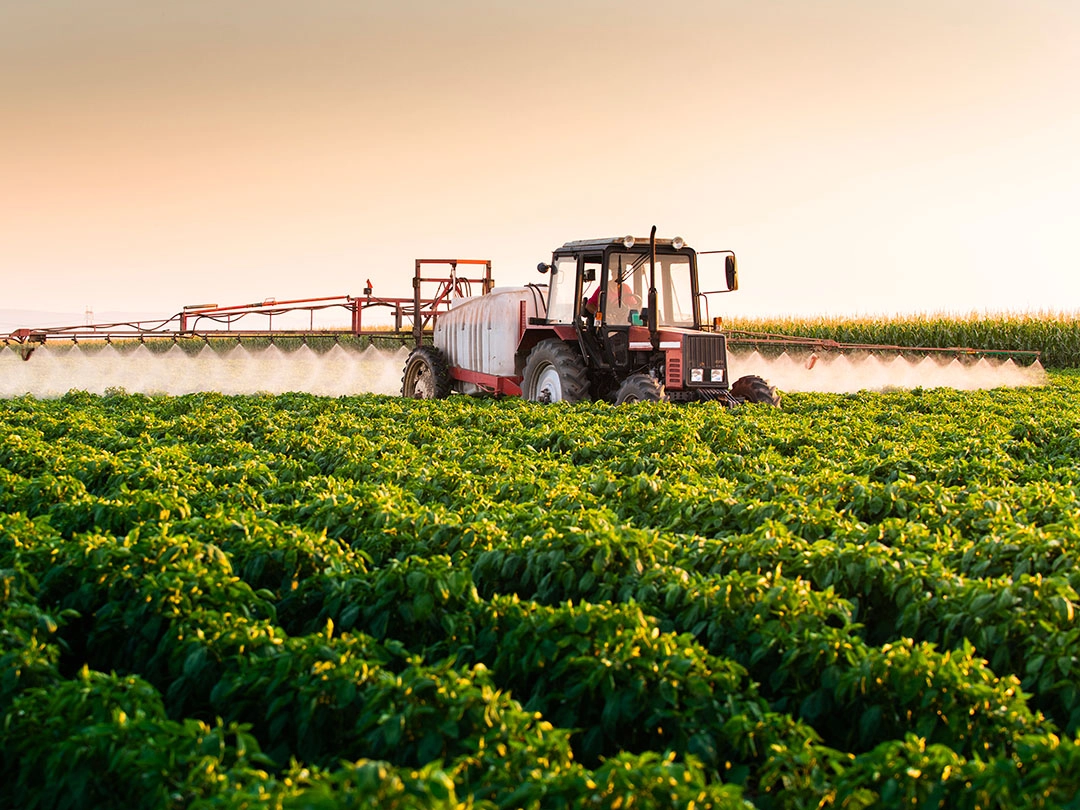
[{"x": 562, "y": 298}]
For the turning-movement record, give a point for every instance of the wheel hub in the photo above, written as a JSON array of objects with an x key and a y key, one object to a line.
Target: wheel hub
[
  {"x": 549, "y": 385},
  {"x": 424, "y": 385}
]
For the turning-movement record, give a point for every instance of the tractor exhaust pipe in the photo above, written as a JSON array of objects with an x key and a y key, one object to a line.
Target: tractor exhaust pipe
[{"x": 654, "y": 321}]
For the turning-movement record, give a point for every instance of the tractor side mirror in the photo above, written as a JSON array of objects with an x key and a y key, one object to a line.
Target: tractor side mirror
[
  {"x": 731, "y": 271},
  {"x": 543, "y": 268}
]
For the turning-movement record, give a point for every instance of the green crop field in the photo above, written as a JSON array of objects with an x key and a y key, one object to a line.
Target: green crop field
[{"x": 864, "y": 600}]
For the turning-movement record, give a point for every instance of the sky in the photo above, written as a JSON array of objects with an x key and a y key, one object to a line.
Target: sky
[{"x": 860, "y": 157}]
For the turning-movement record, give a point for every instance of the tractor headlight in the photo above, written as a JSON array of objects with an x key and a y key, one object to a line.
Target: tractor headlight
[
  {"x": 678, "y": 243},
  {"x": 697, "y": 375},
  {"x": 716, "y": 375},
  {"x": 628, "y": 242}
]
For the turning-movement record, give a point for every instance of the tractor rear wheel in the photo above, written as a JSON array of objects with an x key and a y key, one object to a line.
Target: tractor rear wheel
[
  {"x": 640, "y": 388},
  {"x": 426, "y": 375},
  {"x": 555, "y": 372},
  {"x": 753, "y": 388}
]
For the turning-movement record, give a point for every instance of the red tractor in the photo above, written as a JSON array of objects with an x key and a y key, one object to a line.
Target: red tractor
[{"x": 622, "y": 320}]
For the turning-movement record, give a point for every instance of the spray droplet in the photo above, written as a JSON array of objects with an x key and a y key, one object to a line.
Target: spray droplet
[
  {"x": 52, "y": 371},
  {"x": 846, "y": 373}
]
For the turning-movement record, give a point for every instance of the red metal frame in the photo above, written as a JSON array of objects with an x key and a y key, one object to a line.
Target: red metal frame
[
  {"x": 413, "y": 316},
  {"x": 509, "y": 386}
]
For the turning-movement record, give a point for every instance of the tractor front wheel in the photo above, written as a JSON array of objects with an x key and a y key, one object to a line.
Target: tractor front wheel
[
  {"x": 640, "y": 388},
  {"x": 752, "y": 388},
  {"x": 426, "y": 375},
  {"x": 555, "y": 372}
]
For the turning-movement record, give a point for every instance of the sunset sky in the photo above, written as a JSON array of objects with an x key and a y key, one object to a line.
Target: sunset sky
[{"x": 861, "y": 157}]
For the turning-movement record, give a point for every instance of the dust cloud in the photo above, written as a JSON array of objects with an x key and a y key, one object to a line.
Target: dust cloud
[
  {"x": 841, "y": 373},
  {"x": 53, "y": 371}
]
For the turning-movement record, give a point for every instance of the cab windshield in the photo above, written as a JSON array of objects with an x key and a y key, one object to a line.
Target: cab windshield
[{"x": 628, "y": 289}]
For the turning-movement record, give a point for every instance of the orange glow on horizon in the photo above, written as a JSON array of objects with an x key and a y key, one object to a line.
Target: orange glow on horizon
[{"x": 858, "y": 158}]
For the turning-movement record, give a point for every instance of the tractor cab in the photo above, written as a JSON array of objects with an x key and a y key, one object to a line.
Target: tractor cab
[
  {"x": 607, "y": 282},
  {"x": 637, "y": 316}
]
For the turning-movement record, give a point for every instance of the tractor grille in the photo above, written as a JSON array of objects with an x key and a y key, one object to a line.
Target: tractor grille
[
  {"x": 705, "y": 354},
  {"x": 673, "y": 371}
]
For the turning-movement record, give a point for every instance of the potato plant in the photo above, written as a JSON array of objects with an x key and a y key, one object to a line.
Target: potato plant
[{"x": 864, "y": 600}]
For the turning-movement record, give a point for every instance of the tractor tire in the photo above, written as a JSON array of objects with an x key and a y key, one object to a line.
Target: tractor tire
[
  {"x": 640, "y": 388},
  {"x": 426, "y": 374},
  {"x": 555, "y": 372},
  {"x": 752, "y": 388}
]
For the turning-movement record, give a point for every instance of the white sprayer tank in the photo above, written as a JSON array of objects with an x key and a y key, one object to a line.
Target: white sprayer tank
[{"x": 481, "y": 333}]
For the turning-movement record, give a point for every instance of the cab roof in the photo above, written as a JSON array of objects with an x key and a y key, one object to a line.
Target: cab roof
[{"x": 602, "y": 244}]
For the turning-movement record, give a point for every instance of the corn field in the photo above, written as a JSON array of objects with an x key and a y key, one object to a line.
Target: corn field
[{"x": 1055, "y": 334}]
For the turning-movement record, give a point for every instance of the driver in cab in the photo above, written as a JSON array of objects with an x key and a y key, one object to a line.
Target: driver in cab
[{"x": 618, "y": 308}]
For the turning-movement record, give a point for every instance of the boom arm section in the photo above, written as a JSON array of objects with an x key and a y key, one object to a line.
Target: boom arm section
[{"x": 437, "y": 285}]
